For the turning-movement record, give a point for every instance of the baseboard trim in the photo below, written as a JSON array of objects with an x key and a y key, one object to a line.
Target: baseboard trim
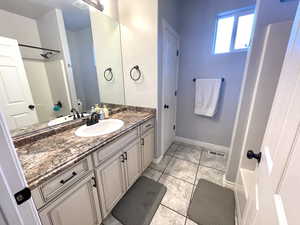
[
  {"x": 228, "y": 183},
  {"x": 237, "y": 210},
  {"x": 157, "y": 160},
  {"x": 218, "y": 148}
]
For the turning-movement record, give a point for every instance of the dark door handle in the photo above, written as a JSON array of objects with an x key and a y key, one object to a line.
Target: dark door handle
[
  {"x": 31, "y": 107},
  {"x": 252, "y": 155},
  {"x": 23, "y": 196},
  {"x": 166, "y": 106}
]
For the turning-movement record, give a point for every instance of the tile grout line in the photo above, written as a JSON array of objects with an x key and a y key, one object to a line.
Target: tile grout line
[
  {"x": 185, "y": 160},
  {"x": 194, "y": 186},
  {"x": 173, "y": 156},
  {"x": 168, "y": 207},
  {"x": 163, "y": 172},
  {"x": 167, "y": 174},
  {"x": 212, "y": 168}
]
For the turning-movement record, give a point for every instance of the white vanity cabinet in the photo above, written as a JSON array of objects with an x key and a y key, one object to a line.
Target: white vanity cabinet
[
  {"x": 87, "y": 192},
  {"x": 117, "y": 174},
  {"x": 133, "y": 162},
  {"x": 148, "y": 146},
  {"x": 77, "y": 206},
  {"x": 111, "y": 182}
]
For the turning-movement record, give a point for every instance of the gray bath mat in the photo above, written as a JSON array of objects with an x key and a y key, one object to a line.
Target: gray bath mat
[
  {"x": 140, "y": 203},
  {"x": 212, "y": 205}
]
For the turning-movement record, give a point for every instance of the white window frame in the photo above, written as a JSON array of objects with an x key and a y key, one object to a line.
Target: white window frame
[{"x": 236, "y": 14}]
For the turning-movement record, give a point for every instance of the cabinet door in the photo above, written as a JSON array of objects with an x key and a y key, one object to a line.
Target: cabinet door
[
  {"x": 133, "y": 162},
  {"x": 77, "y": 206},
  {"x": 148, "y": 146},
  {"x": 111, "y": 179}
]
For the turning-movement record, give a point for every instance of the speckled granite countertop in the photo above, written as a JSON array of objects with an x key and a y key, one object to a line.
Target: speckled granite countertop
[{"x": 43, "y": 159}]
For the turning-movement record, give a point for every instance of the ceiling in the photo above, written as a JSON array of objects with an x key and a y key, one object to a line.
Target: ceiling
[{"x": 74, "y": 17}]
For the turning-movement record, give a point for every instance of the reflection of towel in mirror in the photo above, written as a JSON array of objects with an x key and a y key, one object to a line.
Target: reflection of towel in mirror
[{"x": 207, "y": 93}]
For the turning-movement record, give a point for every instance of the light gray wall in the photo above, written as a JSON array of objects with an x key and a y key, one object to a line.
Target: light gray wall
[
  {"x": 197, "y": 26},
  {"x": 168, "y": 10},
  {"x": 83, "y": 64},
  {"x": 269, "y": 12}
]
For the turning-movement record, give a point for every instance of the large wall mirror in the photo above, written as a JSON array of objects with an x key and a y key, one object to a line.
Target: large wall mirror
[{"x": 71, "y": 52}]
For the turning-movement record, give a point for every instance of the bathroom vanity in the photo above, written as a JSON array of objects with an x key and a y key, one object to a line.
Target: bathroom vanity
[{"x": 76, "y": 180}]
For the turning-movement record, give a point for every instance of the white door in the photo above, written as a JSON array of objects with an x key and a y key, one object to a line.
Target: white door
[
  {"x": 15, "y": 95},
  {"x": 12, "y": 181},
  {"x": 277, "y": 176},
  {"x": 169, "y": 84},
  {"x": 78, "y": 206}
]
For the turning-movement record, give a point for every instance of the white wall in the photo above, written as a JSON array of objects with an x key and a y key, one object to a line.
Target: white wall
[
  {"x": 107, "y": 46},
  {"x": 139, "y": 28},
  {"x": 111, "y": 8},
  {"x": 21, "y": 28}
]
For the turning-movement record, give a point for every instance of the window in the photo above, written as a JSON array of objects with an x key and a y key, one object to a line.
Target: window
[{"x": 233, "y": 31}]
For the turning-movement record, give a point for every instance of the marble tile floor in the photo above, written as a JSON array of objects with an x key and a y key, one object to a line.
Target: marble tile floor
[{"x": 180, "y": 169}]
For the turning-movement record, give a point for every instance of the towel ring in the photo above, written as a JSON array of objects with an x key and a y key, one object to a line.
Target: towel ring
[
  {"x": 139, "y": 73},
  {"x": 107, "y": 72}
]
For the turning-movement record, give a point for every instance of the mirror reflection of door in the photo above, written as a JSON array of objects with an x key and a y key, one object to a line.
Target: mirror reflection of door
[{"x": 15, "y": 94}]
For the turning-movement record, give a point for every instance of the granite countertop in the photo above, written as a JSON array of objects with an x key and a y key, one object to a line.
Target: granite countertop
[{"x": 43, "y": 159}]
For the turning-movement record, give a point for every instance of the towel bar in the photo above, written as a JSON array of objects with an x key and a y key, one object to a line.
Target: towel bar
[{"x": 194, "y": 80}]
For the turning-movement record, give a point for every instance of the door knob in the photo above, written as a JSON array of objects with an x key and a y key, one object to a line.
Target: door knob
[
  {"x": 252, "y": 155},
  {"x": 166, "y": 106},
  {"x": 31, "y": 107}
]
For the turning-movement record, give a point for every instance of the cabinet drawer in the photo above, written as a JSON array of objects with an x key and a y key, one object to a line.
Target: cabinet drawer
[
  {"x": 108, "y": 151},
  {"x": 64, "y": 179},
  {"x": 78, "y": 205},
  {"x": 147, "y": 125}
]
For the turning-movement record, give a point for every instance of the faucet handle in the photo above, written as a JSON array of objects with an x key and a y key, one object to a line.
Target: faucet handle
[{"x": 88, "y": 122}]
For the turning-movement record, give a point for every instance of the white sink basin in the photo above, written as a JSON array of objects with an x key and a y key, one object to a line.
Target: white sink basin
[
  {"x": 62, "y": 120},
  {"x": 101, "y": 128}
]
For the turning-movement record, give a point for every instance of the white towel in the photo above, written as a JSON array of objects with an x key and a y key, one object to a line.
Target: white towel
[{"x": 206, "y": 96}]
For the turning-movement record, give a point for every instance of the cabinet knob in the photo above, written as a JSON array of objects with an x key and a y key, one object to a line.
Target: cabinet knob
[
  {"x": 94, "y": 180},
  {"x": 122, "y": 158},
  {"x": 142, "y": 141}
]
